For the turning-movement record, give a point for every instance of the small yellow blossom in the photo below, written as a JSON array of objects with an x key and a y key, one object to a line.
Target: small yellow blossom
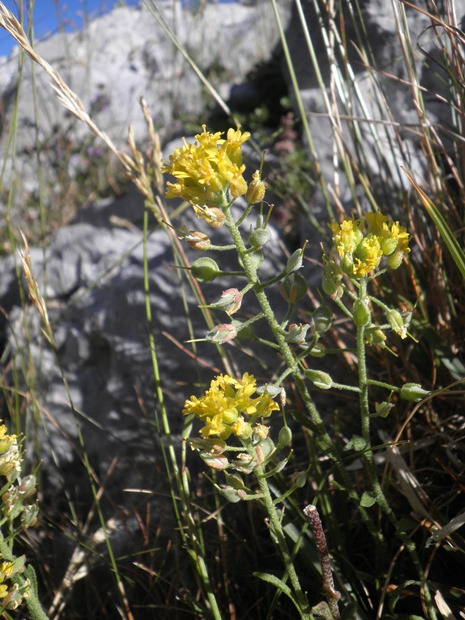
[
  {"x": 10, "y": 458},
  {"x": 228, "y": 407},
  {"x": 256, "y": 190},
  {"x": 362, "y": 243},
  {"x": 208, "y": 172}
]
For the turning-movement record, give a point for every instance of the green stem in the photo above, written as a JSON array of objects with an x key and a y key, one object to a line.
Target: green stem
[
  {"x": 316, "y": 423},
  {"x": 368, "y": 455},
  {"x": 279, "y": 537}
]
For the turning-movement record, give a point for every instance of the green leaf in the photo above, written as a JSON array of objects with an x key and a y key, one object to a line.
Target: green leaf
[
  {"x": 279, "y": 585},
  {"x": 367, "y": 500},
  {"x": 451, "y": 242}
]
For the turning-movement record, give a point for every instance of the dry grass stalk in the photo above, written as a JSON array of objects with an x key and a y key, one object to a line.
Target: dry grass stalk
[{"x": 67, "y": 97}]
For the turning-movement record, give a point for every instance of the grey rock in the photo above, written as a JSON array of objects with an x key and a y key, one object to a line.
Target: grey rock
[
  {"x": 93, "y": 278},
  {"x": 122, "y": 56}
]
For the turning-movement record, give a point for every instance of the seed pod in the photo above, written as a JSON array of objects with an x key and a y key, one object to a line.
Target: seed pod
[
  {"x": 319, "y": 378},
  {"x": 294, "y": 288},
  {"x": 295, "y": 261},
  {"x": 413, "y": 392},
  {"x": 284, "y": 436},
  {"x": 322, "y": 319},
  {"x": 361, "y": 313},
  {"x": 205, "y": 269},
  {"x": 259, "y": 237}
]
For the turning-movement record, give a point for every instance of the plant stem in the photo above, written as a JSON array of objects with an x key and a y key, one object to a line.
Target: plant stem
[
  {"x": 322, "y": 437},
  {"x": 368, "y": 456},
  {"x": 278, "y": 536}
]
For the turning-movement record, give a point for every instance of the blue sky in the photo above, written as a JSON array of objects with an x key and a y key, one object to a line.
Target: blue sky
[
  {"x": 48, "y": 14},
  {"x": 71, "y": 13}
]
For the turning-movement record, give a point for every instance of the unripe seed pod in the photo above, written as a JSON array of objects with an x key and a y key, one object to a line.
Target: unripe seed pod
[
  {"x": 383, "y": 409},
  {"x": 322, "y": 319},
  {"x": 205, "y": 269},
  {"x": 259, "y": 237},
  {"x": 256, "y": 258},
  {"x": 413, "y": 392},
  {"x": 361, "y": 313},
  {"x": 294, "y": 262},
  {"x": 319, "y": 378},
  {"x": 285, "y": 436},
  {"x": 318, "y": 350},
  {"x": 294, "y": 288},
  {"x": 396, "y": 322},
  {"x": 198, "y": 241},
  {"x": 300, "y": 479}
]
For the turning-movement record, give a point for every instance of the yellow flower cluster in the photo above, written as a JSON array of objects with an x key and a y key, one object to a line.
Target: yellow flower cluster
[
  {"x": 206, "y": 169},
  {"x": 227, "y": 408},
  {"x": 362, "y": 243},
  {"x": 11, "y": 594},
  {"x": 10, "y": 458}
]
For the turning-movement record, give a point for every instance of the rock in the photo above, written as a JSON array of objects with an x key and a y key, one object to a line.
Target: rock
[
  {"x": 377, "y": 112},
  {"x": 93, "y": 278},
  {"x": 121, "y": 56}
]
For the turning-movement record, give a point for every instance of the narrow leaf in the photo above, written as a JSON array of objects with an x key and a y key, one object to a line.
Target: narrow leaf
[{"x": 451, "y": 242}]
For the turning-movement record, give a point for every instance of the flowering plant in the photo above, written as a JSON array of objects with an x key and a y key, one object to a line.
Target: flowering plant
[{"x": 209, "y": 175}]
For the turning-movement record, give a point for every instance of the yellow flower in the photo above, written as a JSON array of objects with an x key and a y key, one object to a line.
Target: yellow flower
[
  {"x": 10, "y": 458},
  {"x": 362, "y": 243},
  {"x": 228, "y": 407},
  {"x": 256, "y": 190},
  {"x": 209, "y": 171}
]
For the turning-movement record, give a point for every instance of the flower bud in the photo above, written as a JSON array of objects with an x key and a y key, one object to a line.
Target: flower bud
[
  {"x": 222, "y": 333},
  {"x": 197, "y": 240},
  {"x": 256, "y": 190},
  {"x": 230, "y": 301},
  {"x": 361, "y": 313},
  {"x": 319, "y": 378},
  {"x": 294, "y": 288},
  {"x": 332, "y": 278},
  {"x": 388, "y": 245},
  {"x": 413, "y": 392},
  {"x": 205, "y": 269},
  {"x": 395, "y": 259}
]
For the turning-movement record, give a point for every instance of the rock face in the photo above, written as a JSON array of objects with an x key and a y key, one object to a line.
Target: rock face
[
  {"x": 93, "y": 278},
  {"x": 124, "y": 55},
  {"x": 377, "y": 111}
]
